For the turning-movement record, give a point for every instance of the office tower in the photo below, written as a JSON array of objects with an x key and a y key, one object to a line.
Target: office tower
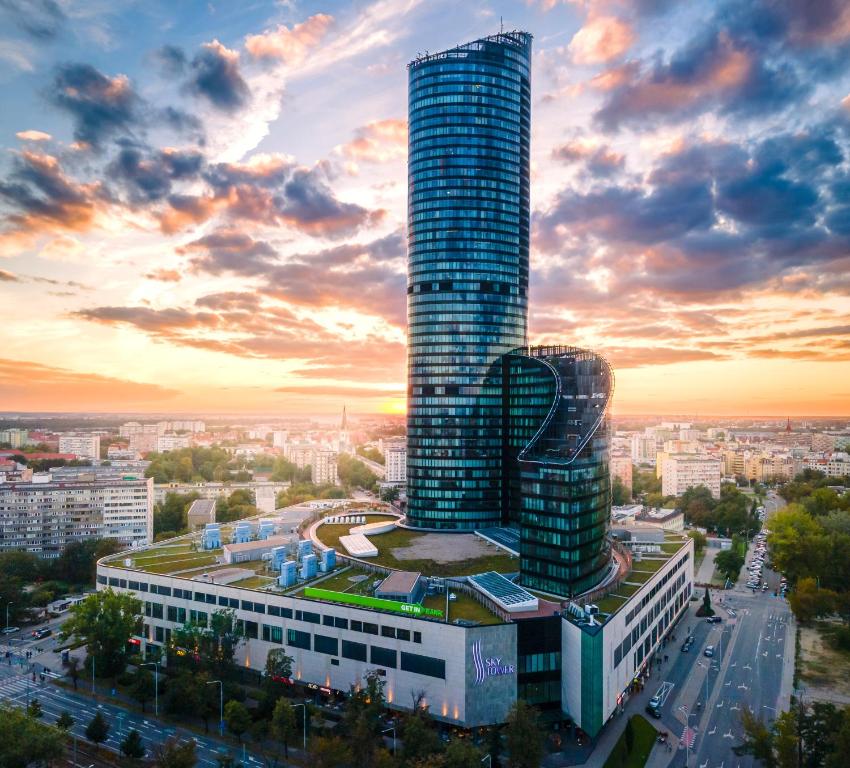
[{"x": 468, "y": 236}]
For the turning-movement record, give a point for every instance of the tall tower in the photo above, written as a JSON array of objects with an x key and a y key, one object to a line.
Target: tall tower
[{"x": 468, "y": 238}]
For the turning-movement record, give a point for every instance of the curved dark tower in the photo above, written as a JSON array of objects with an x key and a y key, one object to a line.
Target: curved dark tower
[{"x": 468, "y": 234}]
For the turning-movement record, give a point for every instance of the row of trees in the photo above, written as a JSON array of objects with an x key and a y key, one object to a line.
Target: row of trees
[
  {"x": 188, "y": 465},
  {"x": 733, "y": 513}
]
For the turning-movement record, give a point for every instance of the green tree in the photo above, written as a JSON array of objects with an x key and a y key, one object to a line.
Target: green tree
[
  {"x": 620, "y": 494},
  {"x": 105, "y": 621},
  {"x": 132, "y": 745},
  {"x": 524, "y": 736},
  {"x": 174, "y": 754},
  {"x": 283, "y": 726},
  {"x": 809, "y": 602},
  {"x": 183, "y": 694},
  {"x": 78, "y": 562},
  {"x": 34, "y": 709},
  {"x": 419, "y": 739},
  {"x": 389, "y": 493},
  {"x": 214, "y": 646},
  {"x": 700, "y": 540},
  {"x": 171, "y": 515},
  {"x": 237, "y": 719},
  {"x": 98, "y": 729},
  {"x": 705, "y": 609},
  {"x": 798, "y": 544},
  {"x": 462, "y": 754},
  {"x": 330, "y": 752},
  {"x": 143, "y": 687},
  {"x": 729, "y": 563},
  {"x": 65, "y": 722},
  {"x": 758, "y": 740},
  {"x": 25, "y": 741},
  {"x": 278, "y": 664},
  {"x": 73, "y": 666}
]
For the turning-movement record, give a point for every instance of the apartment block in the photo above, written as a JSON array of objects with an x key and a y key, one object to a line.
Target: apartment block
[
  {"x": 395, "y": 461},
  {"x": 684, "y": 471},
  {"x": 324, "y": 467},
  {"x": 83, "y": 446}
]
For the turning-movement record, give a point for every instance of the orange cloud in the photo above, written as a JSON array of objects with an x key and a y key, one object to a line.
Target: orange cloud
[
  {"x": 289, "y": 45},
  {"x": 601, "y": 39},
  {"x": 378, "y": 142},
  {"x": 28, "y": 386},
  {"x": 33, "y": 136}
]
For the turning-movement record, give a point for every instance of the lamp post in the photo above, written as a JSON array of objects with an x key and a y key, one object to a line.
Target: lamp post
[
  {"x": 155, "y": 665},
  {"x": 489, "y": 760},
  {"x": 304, "y": 723},
  {"x": 387, "y": 730},
  {"x": 7, "y": 614},
  {"x": 92, "y": 676},
  {"x": 220, "y": 705},
  {"x": 688, "y": 717}
]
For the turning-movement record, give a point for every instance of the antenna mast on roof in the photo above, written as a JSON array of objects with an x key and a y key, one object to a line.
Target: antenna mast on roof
[{"x": 501, "y": 25}]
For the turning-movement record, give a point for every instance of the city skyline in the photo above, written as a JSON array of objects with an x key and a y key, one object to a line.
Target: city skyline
[{"x": 213, "y": 221}]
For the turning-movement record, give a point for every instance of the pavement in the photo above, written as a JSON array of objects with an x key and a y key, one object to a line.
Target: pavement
[{"x": 706, "y": 567}]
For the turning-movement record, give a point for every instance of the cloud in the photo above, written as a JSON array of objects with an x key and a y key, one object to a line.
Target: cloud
[
  {"x": 26, "y": 386},
  {"x": 215, "y": 76},
  {"x": 164, "y": 275},
  {"x": 289, "y": 45},
  {"x": 8, "y": 277},
  {"x": 43, "y": 198},
  {"x": 101, "y": 106},
  {"x": 378, "y": 142},
  {"x": 600, "y": 160},
  {"x": 33, "y": 136},
  {"x": 230, "y": 251},
  {"x": 171, "y": 59},
  {"x": 17, "y": 54},
  {"x": 148, "y": 176},
  {"x": 600, "y": 40},
  {"x": 41, "y": 19}
]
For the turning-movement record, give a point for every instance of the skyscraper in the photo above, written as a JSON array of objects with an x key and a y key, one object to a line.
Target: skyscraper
[{"x": 468, "y": 232}]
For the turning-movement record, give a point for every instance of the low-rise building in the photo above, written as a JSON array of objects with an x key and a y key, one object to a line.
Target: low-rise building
[{"x": 201, "y": 512}]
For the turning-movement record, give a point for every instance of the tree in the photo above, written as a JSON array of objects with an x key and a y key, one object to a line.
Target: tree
[
  {"x": 798, "y": 544},
  {"x": 105, "y": 621},
  {"x": 418, "y": 737},
  {"x": 705, "y": 609},
  {"x": 700, "y": 540},
  {"x": 524, "y": 736},
  {"x": 25, "y": 741},
  {"x": 73, "y": 665},
  {"x": 34, "y": 709},
  {"x": 171, "y": 515},
  {"x": 98, "y": 729},
  {"x": 237, "y": 719},
  {"x": 182, "y": 694},
  {"x": 758, "y": 740},
  {"x": 389, "y": 493},
  {"x": 132, "y": 745},
  {"x": 78, "y": 562},
  {"x": 330, "y": 752},
  {"x": 143, "y": 687},
  {"x": 620, "y": 494},
  {"x": 629, "y": 736},
  {"x": 809, "y": 602},
  {"x": 174, "y": 754},
  {"x": 65, "y": 722},
  {"x": 462, "y": 754},
  {"x": 362, "y": 718},
  {"x": 278, "y": 664},
  {"x": 284, "y": 725},
  {"x": 729, "y": 563},
  {"x": 212, "y": 647}
]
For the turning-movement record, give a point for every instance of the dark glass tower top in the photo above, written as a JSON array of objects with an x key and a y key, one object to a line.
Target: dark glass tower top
[{"x": 468, "y": 238}]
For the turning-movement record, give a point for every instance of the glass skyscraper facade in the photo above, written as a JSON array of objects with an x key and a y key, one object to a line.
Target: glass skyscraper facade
[{"x": 468, "y": 241}]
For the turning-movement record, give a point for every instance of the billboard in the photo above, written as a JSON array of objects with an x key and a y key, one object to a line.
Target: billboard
[{"x": 410, "y": 609}]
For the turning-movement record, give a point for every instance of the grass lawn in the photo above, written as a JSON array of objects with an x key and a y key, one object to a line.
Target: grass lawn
[
  {"x": 500, "y": 561},
  {"x": 253, "y": 582},
  {"x": 341, "y": 581},
  {"x": 649, "y": 564},
  {"x": 462, "y": 607},
  {"x": 627, "y": 590},
  {"x": 639, "y": 577},
  {"x": 644, "y": 737},
  {"x": 172, "y": 566},
  {"x": 610, "y": 603},
  {"x": 670, "y": 547}
]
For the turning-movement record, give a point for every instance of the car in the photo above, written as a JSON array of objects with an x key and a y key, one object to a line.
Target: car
[
  {"x": 685, "y": 647},
  {"x": 709, "y": 651},
  {"x": 10, "y": 630},
  {"x": 654, "y": 711},
  {"x": 38, "y": 634},
  {"x": 714, "y": 619},
  {"x": 764, "y": 587}
]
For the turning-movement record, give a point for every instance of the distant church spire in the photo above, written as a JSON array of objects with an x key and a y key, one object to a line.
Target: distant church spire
[
  {"x": 344, "y": 424},
  {"x": 787, "y": 425}
]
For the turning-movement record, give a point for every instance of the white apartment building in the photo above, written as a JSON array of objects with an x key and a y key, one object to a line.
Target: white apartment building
[
  {"x": 44, "y": 516},
  {"x": 395, "y": 461},
  {"x": 280, "y": 437},
  {"x": 621, "y": 467},
  {"x": 683, "y": 471},
  {"x": 171, "y": 443},
  {"x": 324, "y": 467},
  {"x": 832, "y": 465},
  {"x": 189, "y": 425},
  {"x": 643, "y": 449},
  {"x": 14, "y": 438},
  {"x": 82, "y": 446},
  {"x": 300, "y": 454}
]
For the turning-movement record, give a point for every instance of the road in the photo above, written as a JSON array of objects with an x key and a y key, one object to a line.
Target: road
[{"x": 752, "y": 667}]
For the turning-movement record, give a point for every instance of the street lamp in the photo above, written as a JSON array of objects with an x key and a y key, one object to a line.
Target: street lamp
[
  {"x": 220, "y": 705},
  {"x": 7, "y": 614},
  {"x": 688, "y": 717},
  {"x": 387, "y": 730},
  {"x": 155, "y": 665},
  {"x": 489, "y": 760},
  {"x": 304, "y": 722},
  {"x": 92, "y": 675}
]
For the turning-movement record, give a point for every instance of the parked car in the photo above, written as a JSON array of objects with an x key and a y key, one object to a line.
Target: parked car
[
  {"x": 714, "y": 619},
  {"x": 709, "y": 651},
  {"x": 654, "y": 711},
  {"x": 10, "y": 630}
]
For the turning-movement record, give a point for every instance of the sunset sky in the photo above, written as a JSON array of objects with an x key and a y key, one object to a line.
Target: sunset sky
[{"x": 202, "y": 204}]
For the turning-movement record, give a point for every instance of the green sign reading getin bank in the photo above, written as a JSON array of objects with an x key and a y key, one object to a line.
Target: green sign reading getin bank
[{"x": 412, "y": 609}]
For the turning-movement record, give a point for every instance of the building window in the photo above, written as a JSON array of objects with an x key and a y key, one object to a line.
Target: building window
[
  {"x": 383, "y": 657},
  {"x": 388, "y": 632},
  {"x": 298, "y": 639},
  {"x": 417, "y": 637},
  {"x": 356, "y": 626},
  {"x": 421, "y": 665},
  {"x": 328, "y": 621},
  {"x": 325, "y": 644},
  {"x": 369, "y": 628},
  {"x": 274, "y": 610},
  {"x": 402, "y": 634},
  {"x": 352, "y": 650},
  {"x": 272, "y": 634},
  {"x": 308, "y": 616},
  {"x": 340, "y": 623}
]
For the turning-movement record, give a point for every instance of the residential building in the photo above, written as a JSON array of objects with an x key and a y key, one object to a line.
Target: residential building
[
  {"x": 215, "y": 490},
  {"x": 395, "y": 462},
  {"x": 171, "y": 442},
  {"x": 643, "y": 449},
  {"x": 300, "y": 454},
  {"x": 82, "y": 446},
  {"x": 621, "y": 467},
  {"x": 324, "y": 467},
  {"x": 43, "y": 516},
  {"x": 14, "y": 438},
  {"x": 683, "y": 471}
]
